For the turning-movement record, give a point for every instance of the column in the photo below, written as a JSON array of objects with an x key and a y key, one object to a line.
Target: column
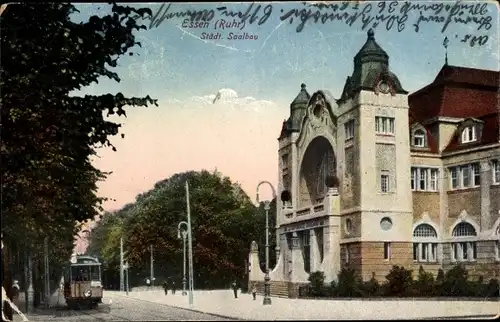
[
  {"x": 331, "y": 239},
  {"x": 30, "y": 297},
  {"x": 298, "y": 273},
  {"x": 314, "y": 257},
  {"x": 444, "y": 185},
  {"x": 295, "y": 172},
  {"x": 486, "y": 178}
]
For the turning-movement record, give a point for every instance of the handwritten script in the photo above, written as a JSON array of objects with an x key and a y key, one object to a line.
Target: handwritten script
[{"x": 391, "y": 15}]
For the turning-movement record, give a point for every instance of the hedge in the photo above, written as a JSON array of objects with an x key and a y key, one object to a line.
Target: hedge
[{"x": 400, "y": 283}]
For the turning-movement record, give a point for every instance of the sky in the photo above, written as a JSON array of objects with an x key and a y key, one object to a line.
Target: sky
[{"x": 257, "y": 80}]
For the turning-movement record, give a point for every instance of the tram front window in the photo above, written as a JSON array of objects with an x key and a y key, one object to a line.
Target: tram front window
[
  {"x": 95, "y": 273},
  {"x": 80, "y": 274}
]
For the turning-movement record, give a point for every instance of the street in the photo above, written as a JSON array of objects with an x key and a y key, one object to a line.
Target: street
[{"x": 122, "y": 309}]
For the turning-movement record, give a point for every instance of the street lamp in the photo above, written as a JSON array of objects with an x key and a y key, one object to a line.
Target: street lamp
[
  {"x": 184, "y": 233},
  {"x": 267, "y": 279},
  {"x": 125, "y": 268}
]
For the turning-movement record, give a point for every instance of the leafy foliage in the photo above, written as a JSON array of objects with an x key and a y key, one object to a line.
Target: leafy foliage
[
  {"x": 317, "y": 280},
  {"x": 347, "y": 284},
  {"x": 48, "y": 135},
  {"x": 425, "y": 283},
  {"x": 399, "y": 281},
  {"x": 371, "y": 287},
  {"x": 455, "y": 282},
  {"x": 224, "y": 222}
]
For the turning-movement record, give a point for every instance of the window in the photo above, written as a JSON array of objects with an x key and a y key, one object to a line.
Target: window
[
  {"x": 414, "y": 174},
  {"x": 424, "y": 179},
  {"x": 476, "y": 172},
  {"x": 387, "y": 251},
  {"x": 384, "y": 182},
  {"x": 454, "y": 178},
  {"x": 348, "y": 226},
  {"x": 497, "y": 244},
  {"x": 469, "y": 134},
  {"x": 384, "y": 125},
  {"x": 425, "y": 246},
  {"x": 306, "y": 250},
  {"x": 419, "y": 139},
  {"x": 465, "y": 176},
  {"x": 386, "y": 223},
  {"x": 284, "y": 161},
  {"x": 349, "y": 129},
  {"x": 496, "y": 171},
  {"x": 464, "y": 250},
  {"x": 433, "y": 180},
  {"x": 347, "y": 254}
]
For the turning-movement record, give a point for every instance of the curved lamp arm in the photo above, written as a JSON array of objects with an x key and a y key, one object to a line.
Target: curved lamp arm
[{"x": 270, "y": 185}]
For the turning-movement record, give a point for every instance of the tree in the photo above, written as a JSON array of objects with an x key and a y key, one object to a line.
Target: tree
[
  {"x": 399, "y": 281},
  {"x": 371, "y": 287},
  {"x": 224, "y": 222},
  {"x": 347, "y": 283},
  {"x": 48, "y": 135},
  {"x": 455, "y": 281},
  {"x": 317, "y": 280},
  {"x": 425, "y": 285}
]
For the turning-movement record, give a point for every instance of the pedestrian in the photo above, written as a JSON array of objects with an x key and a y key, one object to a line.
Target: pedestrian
[
  {"x": 235, "y": 289},
  {"x": 148, "y": 282},
  {"x": 254, "y": 291},
  {"x": 165, "y": 287},
  {"x": 173, "y": 287},
  {"x": 15, "y": 292}
]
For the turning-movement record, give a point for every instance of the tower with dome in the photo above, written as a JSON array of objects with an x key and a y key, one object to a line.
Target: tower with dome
[{"x": 360, "y": 186}]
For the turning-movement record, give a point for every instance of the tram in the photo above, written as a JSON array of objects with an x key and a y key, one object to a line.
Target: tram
[{"x": 83, "y": 286}]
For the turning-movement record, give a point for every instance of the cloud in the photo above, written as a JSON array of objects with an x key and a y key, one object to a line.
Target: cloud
[
  {"x": 229, "y": 98},
  {"x": 237, "y": 135}
]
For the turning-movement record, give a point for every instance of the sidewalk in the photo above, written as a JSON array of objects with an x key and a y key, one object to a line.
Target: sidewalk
[{"x": 223, "y": 303}]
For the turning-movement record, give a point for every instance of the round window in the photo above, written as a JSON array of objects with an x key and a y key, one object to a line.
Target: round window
[
  {"x": 348, "y": 226},
  {"x": 386, "y": 223},
  {"x": 383, "y": 87}
]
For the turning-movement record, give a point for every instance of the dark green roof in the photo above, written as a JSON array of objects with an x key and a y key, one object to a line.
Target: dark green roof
[
  {"x": 303, "y": 96},
  {"x": 371, "y": 51}
]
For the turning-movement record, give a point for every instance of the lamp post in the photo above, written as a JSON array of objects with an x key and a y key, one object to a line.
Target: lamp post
[
  {"x": 184, "y": 233},
  {"x": 267, "y": 279},
  {"x": 125, "y": 268},
  {"x": 190, "y": 247}
]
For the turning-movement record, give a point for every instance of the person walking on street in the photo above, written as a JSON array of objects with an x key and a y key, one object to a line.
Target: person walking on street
[
  {"x": 165, "y": 287},
  {"x": 235, "y": 289},
  {"x": 254, "y": 291},
  {"x": 173, "y": 287},
  {"x": 15, "y": 292}
]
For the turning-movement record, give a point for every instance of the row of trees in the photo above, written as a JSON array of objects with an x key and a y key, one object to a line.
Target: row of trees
[
  {"x": 224, "y": 223},
  {"x": 48, "y": 135},
  {"x": 400, "y": 282}
]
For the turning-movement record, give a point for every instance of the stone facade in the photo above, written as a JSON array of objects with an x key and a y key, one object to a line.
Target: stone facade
[{"x": 410, "y": 190}]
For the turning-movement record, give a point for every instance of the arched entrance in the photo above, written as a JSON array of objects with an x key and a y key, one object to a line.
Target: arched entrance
[{"x": 318, "y": 163}]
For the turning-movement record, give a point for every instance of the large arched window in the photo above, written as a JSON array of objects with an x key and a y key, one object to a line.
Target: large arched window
[
  {"x": 464, "y": 248},
  {"x": 425, "y": 244}
]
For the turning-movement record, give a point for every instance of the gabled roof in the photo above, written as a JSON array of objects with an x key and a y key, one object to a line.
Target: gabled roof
[
  {"x": 457, "y": 92},
  {"x": 489, "y": 135},
  {"x": 461, "y": 93},
  {"x": 432, "y": 144}
]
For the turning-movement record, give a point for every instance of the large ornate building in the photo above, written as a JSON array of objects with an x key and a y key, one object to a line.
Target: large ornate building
[{"x": 418, "y": 176}]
